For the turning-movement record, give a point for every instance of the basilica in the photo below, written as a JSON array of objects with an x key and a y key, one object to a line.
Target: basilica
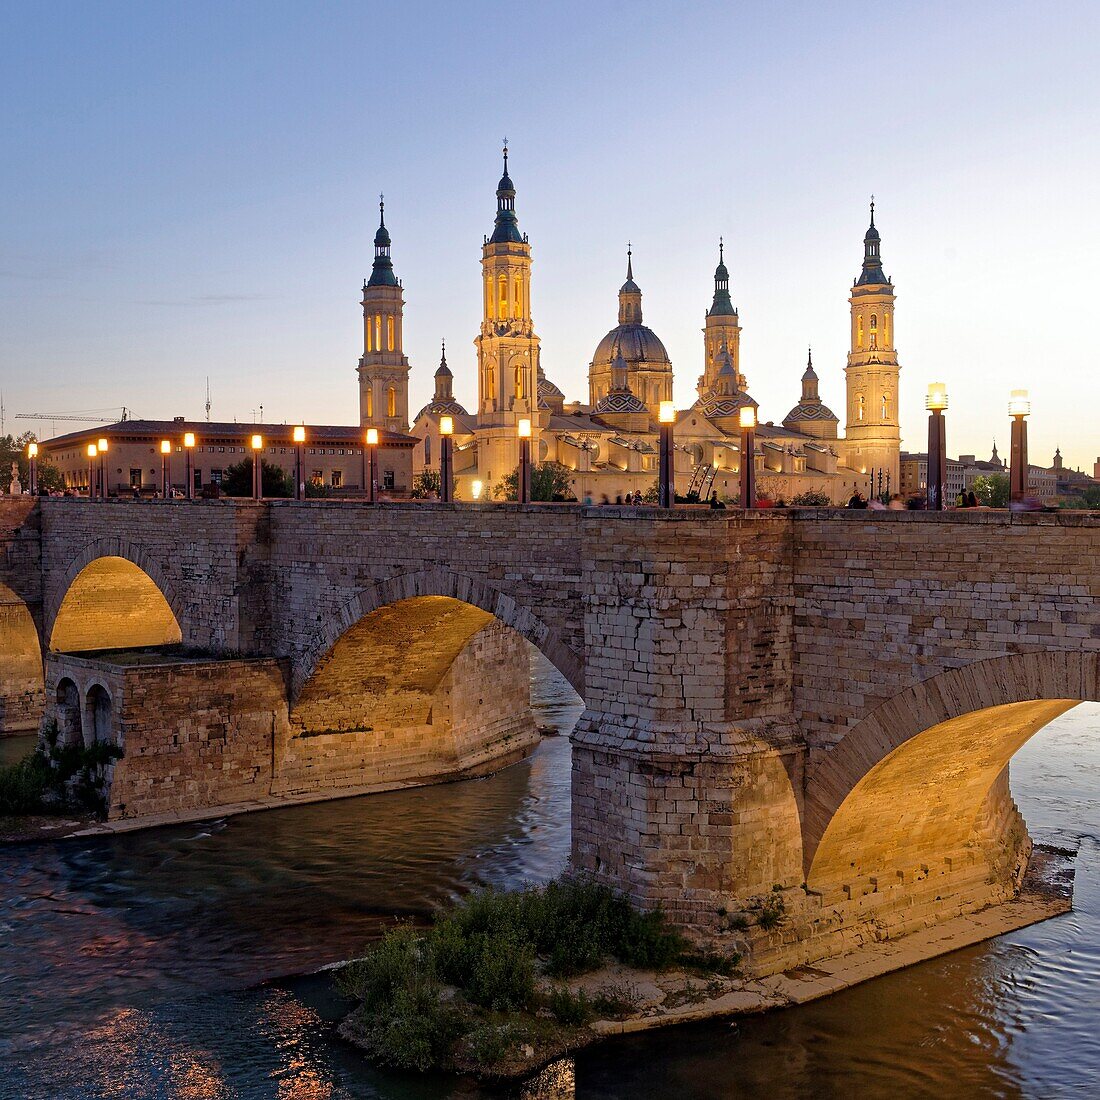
[{"x": 608, "y": 444}]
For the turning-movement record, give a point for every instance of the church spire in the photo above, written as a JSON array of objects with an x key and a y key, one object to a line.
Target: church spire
[
  {"x": 630, "y": 294},
  {"x": 382, "y": 272},
  {"x": 809, "y": 379},
  {"x": 506, "y": 226},
  {"x": 722, "y": 306},
  {"x": 872, "y": 275}
]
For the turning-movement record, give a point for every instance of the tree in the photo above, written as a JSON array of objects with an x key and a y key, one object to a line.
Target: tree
[
  {"x": 237, "y": 480},
  {"x": 425, "y": 484},
  {"x": 812, "y": 498},
  {"x": 992, "y": 491},
  {"x": 14, "y": 449},
  {"x": 550, "y": 481}
]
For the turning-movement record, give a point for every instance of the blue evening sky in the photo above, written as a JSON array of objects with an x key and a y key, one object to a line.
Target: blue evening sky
[{"x": 190, "y": 190}]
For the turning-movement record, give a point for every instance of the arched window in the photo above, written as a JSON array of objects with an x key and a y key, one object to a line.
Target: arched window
[
  {"x": 859, "y": 407},
  {"x": 502, "y": 311},
  {"x": 488, "y": 298},
  {"x": 874, "y": 330},
  {"x": 519, "y": 380},
  {"x": 370, "y": 336},
  {"x": 885, "y": 406},
  {"x": 517, "y": 290},
  {"x": 886, "y": 330},
  {"x": 391, "y": 401},
  {"x": 427, "y": 450},
  {"x": 377, "y": 332},
  {"x": 389, "y": 332},
  {"x": 370, "y": 401},
  {"x": 859, "y": 331},
  {"x": 490, "y": 384}
]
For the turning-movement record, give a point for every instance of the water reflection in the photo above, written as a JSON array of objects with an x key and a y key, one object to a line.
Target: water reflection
[{"x": 129, "y": 967}]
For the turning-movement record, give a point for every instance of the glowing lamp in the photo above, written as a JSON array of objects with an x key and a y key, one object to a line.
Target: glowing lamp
[
  {"x": 666, "y": 412},
  {"x": 372, "y": 437},
  {"x": 748, "y": 416},
  {"x": 257, "y": 442},
  {"x": 936, "y": 401},
  {"x": 299, "y": 435},
  {"x": 32, "y": 450},
  {"x": 1018, "y": 403},
  {"x": 165, "y": 447},
  {"x": 524, "y": 428},
  {"x": 189, "y": 439},
  {"x": 102, "y": 446},
  {"x": 92, "y": 451},
  {"x": 475, "y": 488},
  {"x": 446, "y": 425}
]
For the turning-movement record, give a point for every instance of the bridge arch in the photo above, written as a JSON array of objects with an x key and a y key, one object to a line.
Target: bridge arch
[
  {"x": 21, "y": 680},
  {"x": 114, "y": 595},
  {"x": 446, "y": 584},
  {"x": 918, "y": 772}
]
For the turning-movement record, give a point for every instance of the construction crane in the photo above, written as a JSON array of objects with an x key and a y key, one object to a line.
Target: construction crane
[{"x": 77, "y": 417}]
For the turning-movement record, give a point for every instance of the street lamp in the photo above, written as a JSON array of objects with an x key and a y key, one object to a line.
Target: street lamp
[
  {"x": 257, "y": 467},
  {"x": 101, "y": 447},
  {"x": 666, "y": 488},
  {"x": 93, "y": 455},
  {"x": 523, "y": 484},
  {"x": 748, "y": 456},
  {"x": 166, "y": 468},
  {"x": 475, "y": 489},
  {"x": 372, "y": 463},
  {"x": 188, "y": 447},
  {"x": 299, "y": 485},
  {"x": 446, "y": 430},
  {"x": 32, "y": 460},
  {"x": 1019, "y": 406},
  {"x": 935, "y": 403}
]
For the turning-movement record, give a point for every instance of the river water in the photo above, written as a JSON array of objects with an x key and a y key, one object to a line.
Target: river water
[{"x": 176, "y": 963}]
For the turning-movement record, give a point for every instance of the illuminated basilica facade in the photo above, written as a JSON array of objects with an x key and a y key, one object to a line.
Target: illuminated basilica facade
[{"x": 609, "y": 443}]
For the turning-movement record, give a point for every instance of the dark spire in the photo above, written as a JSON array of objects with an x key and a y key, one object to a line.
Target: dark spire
[
  {"x": 630, "y": 294},
  {"x": 443, "y": 368},
  {"x": 809, "y": 380},
  {"x": 722, "y": 306},
  {"x": 443, "y": 379},
  {"x": 506, "y": 227},
  {"x": 872, "y": 275},
  {"x": 382, "y": 272}
]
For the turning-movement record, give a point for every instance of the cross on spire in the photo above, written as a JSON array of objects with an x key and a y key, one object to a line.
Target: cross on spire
[
  {"x": 872, "y": 210},
  {"x": 721, "y": 253}
]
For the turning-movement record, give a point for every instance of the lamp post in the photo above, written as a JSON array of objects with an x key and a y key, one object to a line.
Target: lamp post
[
  {"x": 104, "y": 473},
  {"x": 166, "y": 468},
  {"x": 93, "y": 457},
  {"x": 257, "y": 467},
  {"x": 523, "y": 483},
  {"x": 935, "y": 403},
  {"x": 666, "y": 488},
  {"x": 372, "y": 464},
  {"x": 32, "y": 461},
  {"x": 1019, "y": 406},
  {"x": 189, "y": 474},
  {"x": 299, "y": 484},
  {"x": 748, "y": 456},
  {"x": 446, "y": 430}
]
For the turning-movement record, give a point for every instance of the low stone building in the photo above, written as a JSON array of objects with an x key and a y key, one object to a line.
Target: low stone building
[{"x": 332, "y": 456}]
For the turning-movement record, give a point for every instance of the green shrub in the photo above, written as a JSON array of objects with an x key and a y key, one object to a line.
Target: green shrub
[
  {"x": 490, "y": 1042},
  {"x": 617, "y": 1000},
  {"x": 568, "y": 1008},
  {"x": 772, "y": 910},
  {"x": 501, "y": 972},
  {"x": 711, "y": 962},
  {"x": 24, "y": 784}
]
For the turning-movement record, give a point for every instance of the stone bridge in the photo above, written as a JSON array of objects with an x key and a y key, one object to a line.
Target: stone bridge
[{"x": 808, "y": 711}]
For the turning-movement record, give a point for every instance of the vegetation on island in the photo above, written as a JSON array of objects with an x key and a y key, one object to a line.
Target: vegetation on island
[
  {"x": 483, "y": 989},
  {"x": 56, "y": 778}
]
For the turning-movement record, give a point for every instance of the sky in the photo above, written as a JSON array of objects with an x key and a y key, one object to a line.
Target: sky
[{"x": 189, "y": 191}]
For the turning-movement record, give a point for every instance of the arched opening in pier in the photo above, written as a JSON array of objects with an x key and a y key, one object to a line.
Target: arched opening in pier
[
  {"x": 21, "y": 686},
  {"x": 113, "y": 604},
  {"x": 98, "y": 715},
  {"x": 424, "y": 687},
  {"x": 920, "y": 788},
  {"x": 70, "y": 732}
]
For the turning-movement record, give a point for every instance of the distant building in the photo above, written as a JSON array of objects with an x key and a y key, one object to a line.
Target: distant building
[
  {"x": 332, "y": 456},
  {"x": 914, "y": 476}
]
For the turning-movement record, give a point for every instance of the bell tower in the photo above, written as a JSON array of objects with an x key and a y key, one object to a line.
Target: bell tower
[
  {"x": 872, "y": 435},
  {"x": 507, "y": 347},
  {"x": 383, "y": 368},
  {"x": 722, "y": 329}
]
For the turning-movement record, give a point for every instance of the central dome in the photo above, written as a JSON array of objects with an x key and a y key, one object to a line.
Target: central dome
[{"x": 636, "y": 343}]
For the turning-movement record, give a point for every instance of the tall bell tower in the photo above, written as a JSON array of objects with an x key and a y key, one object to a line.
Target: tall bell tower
[
  {"x": 722, "y": 329},
  {"x": 383, "y": 368},
  {"x": 872, "y": 436}
]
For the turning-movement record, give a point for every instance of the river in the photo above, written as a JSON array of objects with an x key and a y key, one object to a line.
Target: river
[{"x": 176, "y": 963}]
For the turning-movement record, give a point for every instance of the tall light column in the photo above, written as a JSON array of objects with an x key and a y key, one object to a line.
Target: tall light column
[
  {"x": 523, "y": 481},
  {"x": 666, "y": 487},
  {"x": 166, "y": 468},
  {"x": 372, "y": 464},
  {"x": 32, "y": 461},
  {"x": 257, "y": 467},
  {"x": 101, "y": 446},
  {"x": 446, "y": 430},
  {"x": 189, "y": 473},
  {"x": 299, "y": 484},
  {"x": 935, "y": 403},
  {"x": 1018, "y": 482},
  {"x": 93, "y": 459},
  {"x": 748, "y": 456}
]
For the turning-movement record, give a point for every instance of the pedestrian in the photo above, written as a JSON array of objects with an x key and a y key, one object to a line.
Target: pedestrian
[
  {"x": 971, "y": 499},
  {"x": 896, "y": 503}
]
